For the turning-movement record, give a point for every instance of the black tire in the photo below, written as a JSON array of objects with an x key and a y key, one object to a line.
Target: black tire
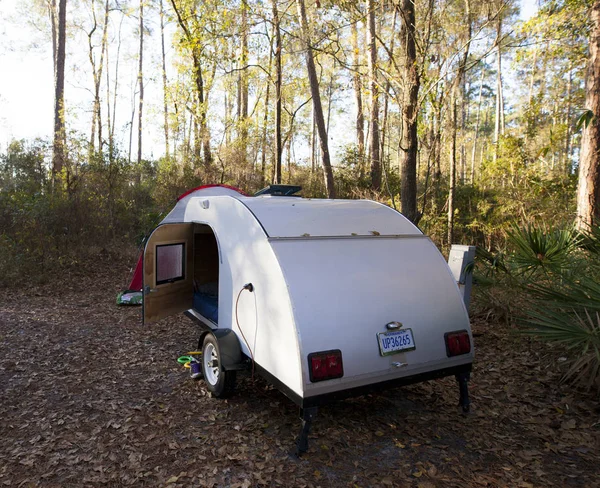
[{"x": 219, "y": 382}]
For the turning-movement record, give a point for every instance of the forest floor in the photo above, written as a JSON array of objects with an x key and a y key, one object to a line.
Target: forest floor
[{"x": 91, "y": 397}]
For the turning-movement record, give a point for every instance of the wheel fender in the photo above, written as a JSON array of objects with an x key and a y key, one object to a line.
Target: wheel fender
[{"x": 230, "y": 351}]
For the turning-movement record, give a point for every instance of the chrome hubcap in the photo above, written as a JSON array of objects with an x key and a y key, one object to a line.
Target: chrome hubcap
[{"x": 211, "y": 364}]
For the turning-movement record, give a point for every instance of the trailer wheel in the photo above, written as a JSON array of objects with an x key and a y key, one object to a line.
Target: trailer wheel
[{"x": 220, "y": 382}]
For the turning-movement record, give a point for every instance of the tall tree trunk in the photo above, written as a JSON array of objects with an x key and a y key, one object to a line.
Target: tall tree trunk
[
  {"x": 477, "y": 121},
  {"x": 452, "y": 182},
  {"x": 197, "y": 137},
  {"x": 203, "y": 122},
  {"x": 141, "y": 84},
  {"x": 499, "y": 122},
  {"x": 115, "y": 91},
  {"x": 329, "y": 100},
  {"x": 199, "y": 82},
  {"x": 278, "y": 81},
  {"x": 316, "y": 98},
  {"x": 244, "y": 84},
  {"x": 131, "y": 122},
  {"x": 588, "y": 189},
  {"x": 566, "y": 164},
  {"x": 374, "y": 158},
  {"x": 530, "y": 121},
  {"x": 109, "y": 122},
  {"x": 103, "y": 48},
  {"x": 51, "y": 4},
  {"x": 457, "y": 86},
  {"x": 263, "y": 152},
  {"x": 58, "y": 149},
  {"x": 313, "y": 140},
  {"x": 164, "y": 78},
  {"x": 386, "y": 93},
  {"x": 90, "y": 36},
  {"x": 357, "y": 84},
  {"x": 409, "y": 141}
]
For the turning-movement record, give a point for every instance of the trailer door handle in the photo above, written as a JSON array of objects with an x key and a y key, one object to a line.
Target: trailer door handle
[{"x": 148, "y": 290}]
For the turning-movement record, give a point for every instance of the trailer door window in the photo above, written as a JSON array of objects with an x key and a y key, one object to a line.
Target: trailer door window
[{"x": 170, "y": 263}]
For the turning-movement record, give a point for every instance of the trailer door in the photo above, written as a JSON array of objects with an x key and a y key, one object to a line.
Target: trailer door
[{"x": 168, "y": 272}]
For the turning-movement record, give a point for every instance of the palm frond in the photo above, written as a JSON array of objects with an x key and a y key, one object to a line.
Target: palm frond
[
  {"x": 535, "y": 247},
  {"x": 578, "y": 294},
  {"x": 578, "y": 331},
  {"x": 590, "y": 240}
]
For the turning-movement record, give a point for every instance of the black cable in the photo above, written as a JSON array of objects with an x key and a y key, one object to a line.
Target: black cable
[{"x": 250, "y": 288}]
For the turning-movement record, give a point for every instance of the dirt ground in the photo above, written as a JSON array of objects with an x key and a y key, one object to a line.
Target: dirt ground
[{"x": 90, "y": 397}]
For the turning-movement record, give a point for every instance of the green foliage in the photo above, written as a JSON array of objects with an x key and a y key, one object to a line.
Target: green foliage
[
  {"x": 578, "y": 331},
  {"x": 537, "y": 248},
  {"x": 585, "y": 119},
  {"x": 555, "y": 273},
  {"x": 94, "y": 204}
]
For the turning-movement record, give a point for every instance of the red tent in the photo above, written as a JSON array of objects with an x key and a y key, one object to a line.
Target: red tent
[{"x": 136, "y": 282}]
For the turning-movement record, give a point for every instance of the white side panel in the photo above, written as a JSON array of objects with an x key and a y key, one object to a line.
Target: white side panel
[
  {"x": 345, "y": 291},
  {"x": 265, "y": 316},
  {"x": 300, "y": 217}
]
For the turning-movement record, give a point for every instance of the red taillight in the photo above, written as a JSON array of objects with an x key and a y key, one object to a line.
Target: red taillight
[
  {"x": 457, "y": 343},
  {"x": 325, "y": 365}
]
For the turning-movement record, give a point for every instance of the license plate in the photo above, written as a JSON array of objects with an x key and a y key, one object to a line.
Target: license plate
[{"x": 396, "y": 341}]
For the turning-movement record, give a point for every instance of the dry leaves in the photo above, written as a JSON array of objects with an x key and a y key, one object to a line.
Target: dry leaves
[{"x": 90, "y": 397}]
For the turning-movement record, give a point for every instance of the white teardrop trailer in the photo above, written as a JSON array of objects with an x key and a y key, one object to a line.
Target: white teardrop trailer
[{"x": 324, "y": 298}]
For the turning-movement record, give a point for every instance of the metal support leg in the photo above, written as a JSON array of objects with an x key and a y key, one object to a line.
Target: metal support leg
[
  {"x": 463, "y": 386},
  {"x": 307, "y": 415}
]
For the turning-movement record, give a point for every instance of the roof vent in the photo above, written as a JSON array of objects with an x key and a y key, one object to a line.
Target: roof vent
[{"x": 280, "y": 191}]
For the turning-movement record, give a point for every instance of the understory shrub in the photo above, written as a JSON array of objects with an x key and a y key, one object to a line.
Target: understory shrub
[{"x": 547, "y": 281}]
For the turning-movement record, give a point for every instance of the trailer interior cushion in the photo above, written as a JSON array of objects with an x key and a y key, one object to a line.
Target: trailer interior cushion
[{"x": 206, "y": 301}]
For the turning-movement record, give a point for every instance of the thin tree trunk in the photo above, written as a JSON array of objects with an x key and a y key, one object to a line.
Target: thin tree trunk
[
  {"x": 197, "y": 137},
  {"x": 409, "y": 141},
  {"x": 278, "y": 81},
  {"x": 452, "y": 182},
  {"x": 329, "y": 97},
  {"x": 477, "y": 121},
  {"x": 164, "y": 78},
  {"x": 90, "y": 36},
  {"x": 530, "y": 122},
  {"x": 58, "y": 150},
  {"x": 457, "y": 86},
  {"x": 199, "y": 82},
  {"x": 263, "y": 166},
  {"x": 103, "y": 49},
  {"x": 357, "y": 84},
  {"x": 316, "y": 98},
  {"x": 243, "y": 85},
  {"x": 386, "y": 93},
  {"x": 131, "y": 125},
  {"x": 313, "y": 140},
  {"x": 463, "y": 123},
  {"x": 108, "y": 116},
  {"x": 374, "y": 114},
  {"x": 499, "y": 122},
  {"x": 97, "y": 76},
  {"x": 588, "y": 190},
  {"x": 141, "y": 84},
  {"x": 566, "y": 164},
  {"x": 54, "y": 27},
  {"x": 114, "y": 111}
]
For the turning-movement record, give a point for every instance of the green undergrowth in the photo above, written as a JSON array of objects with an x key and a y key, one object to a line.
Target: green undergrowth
[{"x": 546, "y": 282}]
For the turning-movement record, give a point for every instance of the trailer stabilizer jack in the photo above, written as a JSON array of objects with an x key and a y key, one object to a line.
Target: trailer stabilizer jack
[
  {"x": 463, "y": 386},
  {"x": 307, "y": 415}
]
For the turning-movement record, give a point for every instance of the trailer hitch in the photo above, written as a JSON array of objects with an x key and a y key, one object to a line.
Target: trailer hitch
[
  {"x": 307, "y": 415},
  {"x": 463, "y": 386}
]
